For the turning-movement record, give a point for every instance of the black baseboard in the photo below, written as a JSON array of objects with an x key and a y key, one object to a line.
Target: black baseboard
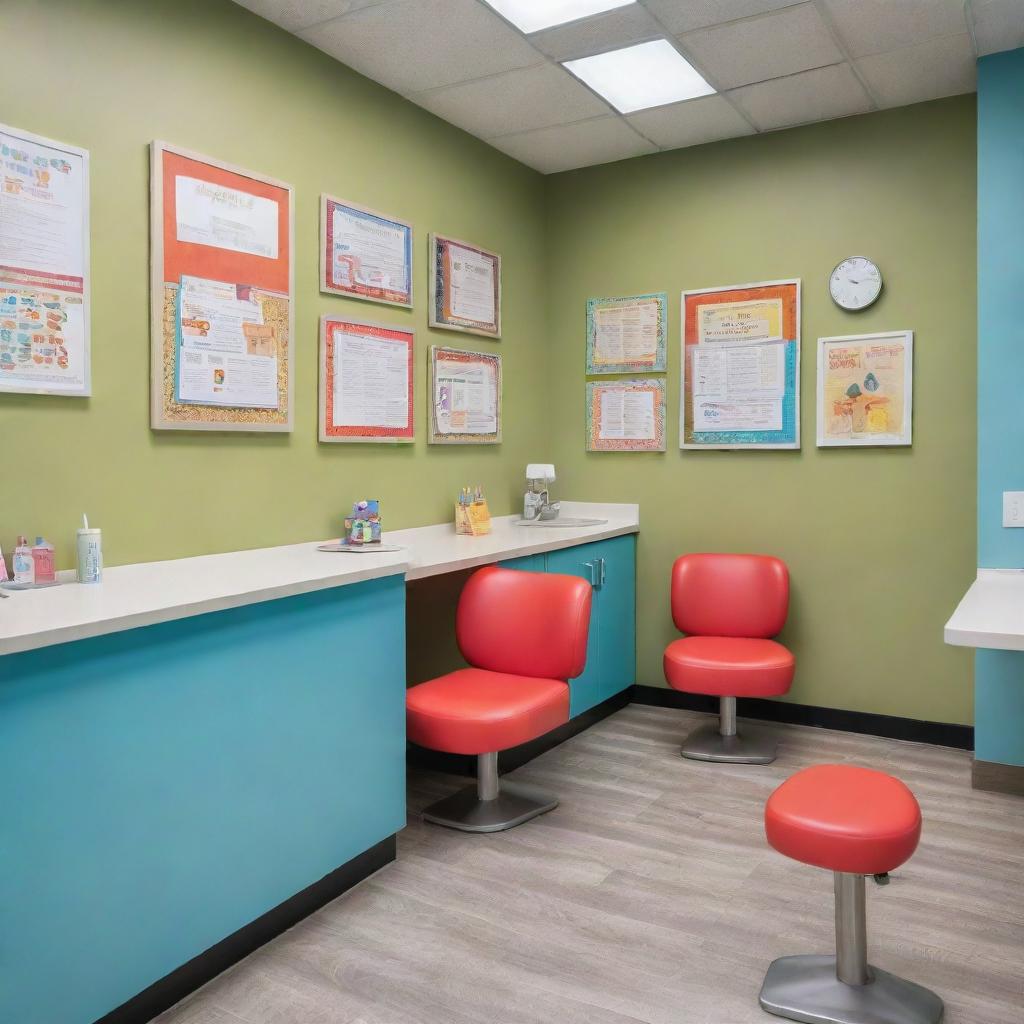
[
  {"x": 515, "y": 757},
  {"x": 944, "y": 734},
  {"x": 183, "y": 981}
]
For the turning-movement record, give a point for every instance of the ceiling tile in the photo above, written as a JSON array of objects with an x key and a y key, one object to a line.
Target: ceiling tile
[
  {"x": 998, "y": 24},
  {"x": 514, "y": 101},
  {"x": 874, "y": 26},
  {"x": 297, "y": 14},
  {"x": 810, "y": 96},
  {"x": 934, "y": 68},
  {"x": 684, "y": 15},
  {"x": 691, "y": 123},
  {"x": 609, "y": 31},
  {"x": 412, "y": 45},
  {"x": 598, "y": 141},
  {"x": 755, "y": 49}
]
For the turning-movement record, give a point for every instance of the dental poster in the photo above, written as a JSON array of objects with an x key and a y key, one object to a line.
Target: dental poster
[
  {"x": 221, "y": 296},
  {"x": 626, "y": 415},
  {"x": 44, "y": 265},
  {"x": 465, "y": 397},
  {"x": 627, "y": 334},
  {"x": 740, "y": 367},
  {"x": 865, "y": 389}
]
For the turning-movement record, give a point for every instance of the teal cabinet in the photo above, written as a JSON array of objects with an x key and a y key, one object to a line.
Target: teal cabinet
[
  {"x": 528, "y": 563},
  {"x": 610, "y": 567}
]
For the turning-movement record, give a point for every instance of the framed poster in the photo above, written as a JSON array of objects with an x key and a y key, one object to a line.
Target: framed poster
[
  {"x": 465, "y": 287},
  {"x": 44, "y": 266},
  {"x": 740, "y": 367},
  {"x": 366, "y": 381},
  {"x": 865, "y": 389},
  {"x": 364, "y": 254},
  {"x": 222, "y": 295},
  {"x": 465, "y": 397},
  {"x": 628, "y": 334},
  {"x": 626, "y": 415}
]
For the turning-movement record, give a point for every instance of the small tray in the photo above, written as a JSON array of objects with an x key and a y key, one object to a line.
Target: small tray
[
  {"x": 359, "y": 549},
  {"x": 11, "y": 585}
]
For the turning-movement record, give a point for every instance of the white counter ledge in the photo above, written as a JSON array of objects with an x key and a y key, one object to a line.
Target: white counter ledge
[
  {"x": 991, "y": 613},
  {"x": 150, "y": 592}
]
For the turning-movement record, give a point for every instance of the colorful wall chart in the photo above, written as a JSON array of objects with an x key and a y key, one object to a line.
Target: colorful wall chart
[
  {"x": 627, "y": 334},
  {"x": 364, "y": 254},
  {"x": 465, "y": 287},
  {"x": 222, "y": 302},
  {"x": 865, "y": 389},
  {"x": 626, "y": 415},
  {"x": 44, "y": 265},
  {"x": 366, "y": 381},
  {"x": 465, "y": 397},
  {"x": 740, "y": 366}
]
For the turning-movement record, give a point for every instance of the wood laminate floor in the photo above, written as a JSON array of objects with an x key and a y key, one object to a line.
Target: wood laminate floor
[{"x": 649, "y": 895}]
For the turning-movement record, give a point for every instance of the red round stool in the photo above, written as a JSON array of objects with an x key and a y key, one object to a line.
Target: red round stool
[
  {"x": 524, "y": 635},
  {"x": 730, "y": 605},
  {"x": 854, "y": 822}
]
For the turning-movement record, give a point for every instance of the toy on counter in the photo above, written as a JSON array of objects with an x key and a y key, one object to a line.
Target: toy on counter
[{"x": 363, "y": 525}]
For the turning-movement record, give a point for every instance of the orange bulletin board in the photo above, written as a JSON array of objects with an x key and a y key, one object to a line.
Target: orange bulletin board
[
  {"x": 465, "y": 287},
  {"x": 222, "y": 295}
]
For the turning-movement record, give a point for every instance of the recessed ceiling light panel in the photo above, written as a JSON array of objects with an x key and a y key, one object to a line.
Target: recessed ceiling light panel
[
  {"x": 637, "y": 77},
  {"x": 533, "y": 15}
]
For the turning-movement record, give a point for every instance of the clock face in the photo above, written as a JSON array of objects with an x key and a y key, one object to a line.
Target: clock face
[{"x": 855, "y": 283}]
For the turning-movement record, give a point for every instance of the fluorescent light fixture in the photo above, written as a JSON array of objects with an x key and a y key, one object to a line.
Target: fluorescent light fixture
[
  {"x": 637, "y": 77},
  {"x": 533, "y": 15}
]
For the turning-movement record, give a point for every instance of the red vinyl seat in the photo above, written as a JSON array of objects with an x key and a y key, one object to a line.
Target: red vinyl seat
[
  {"x": 856, "y": 822},
  {"x": 844, "y": 818},
  {"x": 727, "y": 666},
  {"x": 730, "y": 606},
  {"x": 473, "y": 711},
  {"x": 524, "y": 635}
]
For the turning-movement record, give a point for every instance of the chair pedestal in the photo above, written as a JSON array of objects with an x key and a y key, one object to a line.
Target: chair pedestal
[
  {"x": 722, "y": 741},
  {"x": 490, "y": 806},
  {"x": 845, "y": 989}
]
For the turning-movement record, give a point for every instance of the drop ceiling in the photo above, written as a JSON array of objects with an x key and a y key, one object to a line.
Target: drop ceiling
[{"x": 773, "y": 64}]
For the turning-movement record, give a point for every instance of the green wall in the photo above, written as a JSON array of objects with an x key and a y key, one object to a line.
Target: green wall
[
  {"x": 880, "y": 543},
  {"x": 209, "y": 76}
]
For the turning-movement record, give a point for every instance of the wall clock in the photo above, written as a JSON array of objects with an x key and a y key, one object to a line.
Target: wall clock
[{"x": 855, "y": 283}]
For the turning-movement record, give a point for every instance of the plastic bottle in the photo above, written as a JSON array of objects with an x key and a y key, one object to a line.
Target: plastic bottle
[
  {"x": 42, "y": 556},
  {"x": 24, "y": 564}
]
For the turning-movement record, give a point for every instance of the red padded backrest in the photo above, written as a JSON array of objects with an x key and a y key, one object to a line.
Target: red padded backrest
[
  {"x": 730, "y": 595},
  {"x": 524, "y": 623}
]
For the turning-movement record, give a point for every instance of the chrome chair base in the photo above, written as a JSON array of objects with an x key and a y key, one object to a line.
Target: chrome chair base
[
  {"x": 805, "y": 988},
  {"x": 706, "y": 743},
  {"x": 513, "y": 805}
]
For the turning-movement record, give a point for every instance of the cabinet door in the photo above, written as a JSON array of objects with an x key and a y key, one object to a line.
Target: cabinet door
[
  {"x": 584, "y": 691},
  {"x": 529, "y": 563},
  {"x": 617, "y": 616}
]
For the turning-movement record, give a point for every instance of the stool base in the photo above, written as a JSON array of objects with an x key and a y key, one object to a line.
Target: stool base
[
  {"x": 513, "y": 805},
  {"x": 805, "y": 988},
  {"x": 706, "y": 743}
]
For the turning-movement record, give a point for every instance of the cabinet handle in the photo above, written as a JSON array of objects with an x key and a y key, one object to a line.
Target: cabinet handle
[
  {"x": 589, "y": 566},
  {"x": 602, "y": 573}
]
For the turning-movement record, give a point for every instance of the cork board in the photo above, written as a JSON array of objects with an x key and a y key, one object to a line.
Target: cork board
[{"x": 237, "y": 236}]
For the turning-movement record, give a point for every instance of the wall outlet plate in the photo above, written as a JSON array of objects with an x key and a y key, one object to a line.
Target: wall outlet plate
[{"x": 1013, "y": 508}]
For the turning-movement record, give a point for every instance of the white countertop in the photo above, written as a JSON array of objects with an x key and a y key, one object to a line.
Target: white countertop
[
  {"x": 152, "y": 592},
  {"x": 991, "y": 613}
]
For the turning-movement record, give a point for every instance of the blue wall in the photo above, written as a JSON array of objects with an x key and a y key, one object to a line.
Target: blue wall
[
  {"x": 999, "y": 675},
  {"x": 161, "y": 788}
]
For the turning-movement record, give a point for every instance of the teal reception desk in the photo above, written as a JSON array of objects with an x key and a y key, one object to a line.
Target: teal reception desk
[{"x": 196, "y": 753}]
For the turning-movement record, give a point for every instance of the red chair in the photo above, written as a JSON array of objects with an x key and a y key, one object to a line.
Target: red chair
[
  {"x": 854, "y": 822},
  {"x": 525, "y": 636},
  {"x": 730, "y": 605}
]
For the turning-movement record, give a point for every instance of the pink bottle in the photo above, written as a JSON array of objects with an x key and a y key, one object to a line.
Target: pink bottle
[{"x": 42, "y": 555}]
